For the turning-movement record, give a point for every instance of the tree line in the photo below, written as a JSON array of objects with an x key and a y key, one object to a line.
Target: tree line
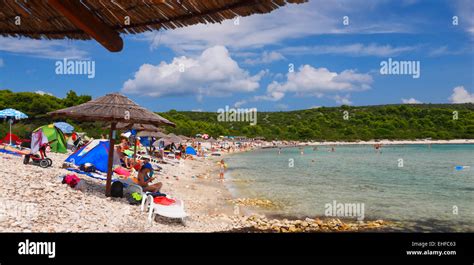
[{"x": 348, "y": 123}]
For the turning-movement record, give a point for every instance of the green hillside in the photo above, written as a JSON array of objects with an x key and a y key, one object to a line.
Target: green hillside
[{"x": 436, "y": 121}]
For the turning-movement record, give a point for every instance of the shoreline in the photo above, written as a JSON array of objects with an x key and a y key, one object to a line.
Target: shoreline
[{"x": 373, "y": 142}]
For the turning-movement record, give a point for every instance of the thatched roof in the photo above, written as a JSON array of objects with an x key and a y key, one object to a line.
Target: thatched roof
[
  {"x": 137, "y": 127},
  {"x": 112, "y": 108},
  {"x": 174, "y": 138},
  {"x": 184, "y": 137},
  {"x": 105, "y": 20},
  {"x": 156, "y": 134}
]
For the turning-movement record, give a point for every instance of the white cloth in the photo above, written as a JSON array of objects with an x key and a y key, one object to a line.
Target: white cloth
[{"x": 38, "y": 139}]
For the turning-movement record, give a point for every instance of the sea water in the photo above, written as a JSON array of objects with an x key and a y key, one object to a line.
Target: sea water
[{"x": 421, "y": 187}]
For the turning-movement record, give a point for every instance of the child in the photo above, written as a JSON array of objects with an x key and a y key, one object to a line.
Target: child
[{"x": 222, "y": 168}]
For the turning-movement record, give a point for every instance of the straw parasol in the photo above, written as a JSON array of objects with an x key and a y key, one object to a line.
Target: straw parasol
[
  {"x": 174, "y": 138},
  {"x": 184, "y": 137},
  {"x": 138, "y": 127},
  {"x": 156, "y": 134},
  {"x": 106, "y": 20},
  {"x": 113, "y": 108}
]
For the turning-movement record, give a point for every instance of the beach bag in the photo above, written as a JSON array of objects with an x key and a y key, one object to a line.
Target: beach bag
[
  {"x": 135, "y": 198},
  {"x": 71, "y": 180},
  {"x": 117, "y": 189}
]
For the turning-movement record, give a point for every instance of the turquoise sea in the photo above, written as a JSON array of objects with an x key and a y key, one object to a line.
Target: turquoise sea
[{"x": 426, "y": 193}]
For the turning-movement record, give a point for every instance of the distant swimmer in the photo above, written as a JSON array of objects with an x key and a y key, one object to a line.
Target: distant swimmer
[
  {"x": 315, "y": 148},
  {"x": 301, "y": 150},
  {"x": 279, "y": 150},
  {"x": 378, "y": 148}
]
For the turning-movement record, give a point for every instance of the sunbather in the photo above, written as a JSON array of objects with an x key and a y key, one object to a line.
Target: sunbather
[
  {"x": 145, "y": 176},
  {"x": 124, "y": 160}
]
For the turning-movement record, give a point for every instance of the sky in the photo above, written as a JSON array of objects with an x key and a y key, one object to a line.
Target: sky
[{"x": 320, "y": 53}]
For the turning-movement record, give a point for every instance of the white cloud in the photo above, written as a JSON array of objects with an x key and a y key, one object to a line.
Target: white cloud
[
  {"x": 42, "y": 93},
  {"x": 49, "y": 49},
  {"x": 265, "y": 58},
  {"x": 318, "y": 82},
  {"x": 356, "y": 49},
  {"x": 411, "y": 101},
  {"x": 196, "y": 110},
  {"x": 310, "y": 81},
  {"x": 239, "y": 103},
  {"x": 213, "y": 73},
  {"x": 343, "y": 100},
  {"x": 464, "y": 10},
  {"x": 461, "y": 95},
  {"x": 290, "y": 22}
]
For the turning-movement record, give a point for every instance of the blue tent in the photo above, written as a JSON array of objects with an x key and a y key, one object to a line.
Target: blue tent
[
  {"x": 95, "y": 152},
  {"x": 190, "y": 151},
  {"x": 145, "y": 141}
]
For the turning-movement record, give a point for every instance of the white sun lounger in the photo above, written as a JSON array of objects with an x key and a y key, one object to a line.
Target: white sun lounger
[{"x": 175, "y": 210}]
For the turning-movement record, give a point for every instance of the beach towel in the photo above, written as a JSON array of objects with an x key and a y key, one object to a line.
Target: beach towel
[
  {"x": 9, "y": 152},
  {"x": 38, "y": 139},
  {"x": 163, "y": 201},
  {"x": 122, "y": 171}
]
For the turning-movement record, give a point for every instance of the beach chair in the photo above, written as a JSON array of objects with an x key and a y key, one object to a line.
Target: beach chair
[{"x": 175, "y": 210}]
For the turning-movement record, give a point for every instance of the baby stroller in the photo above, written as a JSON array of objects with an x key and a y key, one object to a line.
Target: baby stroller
[{"x": 39, "y": 159}]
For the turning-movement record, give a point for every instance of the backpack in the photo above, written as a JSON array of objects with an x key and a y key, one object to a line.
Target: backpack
[{"x": 117, "y": 189}]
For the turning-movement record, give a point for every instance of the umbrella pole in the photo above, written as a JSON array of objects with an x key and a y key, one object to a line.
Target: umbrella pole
[
  {"x": 110, "y": 159},
  {"x": 10, "y": 122},
  {"x": 135, "y": 151}
]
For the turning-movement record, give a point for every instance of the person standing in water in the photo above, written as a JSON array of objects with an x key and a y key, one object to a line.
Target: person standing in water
[
  {"x": 378, "y": 148},
  {"x": 222, "y": 169}
]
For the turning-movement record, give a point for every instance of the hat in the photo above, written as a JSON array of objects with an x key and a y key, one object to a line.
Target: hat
[{"x": 147, "y": 157}]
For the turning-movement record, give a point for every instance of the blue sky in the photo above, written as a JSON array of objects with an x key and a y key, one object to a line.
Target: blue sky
[{"x": 246, "y": 64}]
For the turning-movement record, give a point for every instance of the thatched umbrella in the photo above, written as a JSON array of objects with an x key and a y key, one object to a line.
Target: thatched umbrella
[
  {"x": 184, "y": 137},
  {"x": 106, "y": 20},
  {"x": 138, "y": 127},
  {"x": 113, "y": 108},
  {"x": 149, "y": 134},
  {"x": 174, "y": 138},
  {"x": 156, "y": 134}
]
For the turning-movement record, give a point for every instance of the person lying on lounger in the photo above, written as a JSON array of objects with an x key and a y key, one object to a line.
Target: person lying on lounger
[{"x": 145, "y": 176}]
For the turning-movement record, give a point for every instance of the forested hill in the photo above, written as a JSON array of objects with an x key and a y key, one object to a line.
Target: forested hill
[{"x": 436, "y": 121}]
